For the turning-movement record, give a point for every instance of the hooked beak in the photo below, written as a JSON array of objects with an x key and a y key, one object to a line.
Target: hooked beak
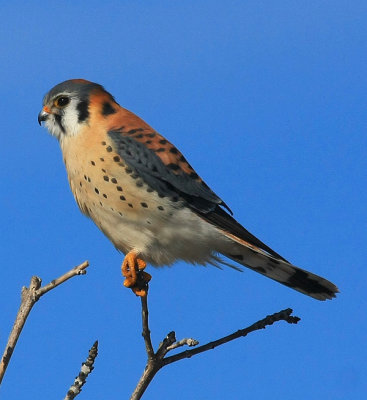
[{"x": 43, "y": 115}]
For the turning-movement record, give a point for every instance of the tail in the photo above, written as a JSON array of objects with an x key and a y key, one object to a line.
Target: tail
[
  {"x": 278, "y": 269},
  {"x": 243, "y": 247}
]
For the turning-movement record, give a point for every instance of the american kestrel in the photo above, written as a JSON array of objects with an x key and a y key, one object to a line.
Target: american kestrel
[{"x": 146, "y": 198}]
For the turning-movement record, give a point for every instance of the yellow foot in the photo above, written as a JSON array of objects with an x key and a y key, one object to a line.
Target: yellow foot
[{"x": 135, "y": 278}]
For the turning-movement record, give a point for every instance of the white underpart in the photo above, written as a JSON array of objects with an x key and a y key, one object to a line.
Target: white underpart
[{"x": 168, "y": 238}]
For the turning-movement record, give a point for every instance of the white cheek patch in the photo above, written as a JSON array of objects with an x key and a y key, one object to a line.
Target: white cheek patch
[
  {"x": 70, "y": 119},
  {"x": 70, "y": 125},
  {"x": 53, "y": 127}
]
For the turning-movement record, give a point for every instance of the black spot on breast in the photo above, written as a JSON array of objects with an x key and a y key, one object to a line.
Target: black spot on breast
[
  {"x": 130, "y": 205},
  {"x": 105, "y": 196},
  {"x": 163, "y": 141},
  {"x": 174, "y": 167},
  {"x": 113, "y": 180},
  {"x": 103, "y": 143},
  {"x": 160, "y": 208},
  {"x": 145, "y": 205},
  {"x": 116, "y": 158},
  {"x": 109, "y": 149},
  {"x": 93, "y": 163},
  {"x": 106, "y": 178},
  {"x": 160, "y": 149},
  {"x": 138, "y": 136},
  {"x": 173, "y": 150},
  {"x": 85, "y": 177},
  {"x": 89, "y": 180},
  {"x": 80, "y": 184},
  {"x": 102, "y": 159},
  {"x": 122, "y": 198},
  {"x": 120, "y": 213},
  {"x": 139, "y": 183},
  {"x": 149, "y": 190},
  {"x": 96, "y": 190},
  {"x": 107, "y": 109},
  {"x": 103, "y": 170},
  {"x": 83, "y": 110},
  {"x": 151, "y": 134},
  {"x": 119, "y": 188},
  {"x": 128, "y": 170}
]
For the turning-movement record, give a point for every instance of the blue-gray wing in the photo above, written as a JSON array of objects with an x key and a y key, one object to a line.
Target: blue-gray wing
[
  {"x": 165, "y": 170},
  {"x": 167, "y": 178}
]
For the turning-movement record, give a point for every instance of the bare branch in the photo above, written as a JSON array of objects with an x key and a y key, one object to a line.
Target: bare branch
[
  {"x": 28, "y": 299},
  {"x": 145, "y": 323},
  {"x": 78, "y": 270},
  {"x": 157, "y": 360},
  {"x": 168, "y": 341},
  {"x": 183, "y": 342},
  {"x": 284, "y": 315},
  {"x": 86, "y": 369}
]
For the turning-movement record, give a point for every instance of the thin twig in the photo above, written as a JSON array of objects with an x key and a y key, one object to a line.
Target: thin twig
[
  {"x": 28, "y": 299},
  {"x": 183, "y": 342},
  {"x": 284, "y": 315},
  {"x": 156, "y": 360},
  {"x": 152, "y": 367},
  {"x": 145, "y": 323},
  {"x": 86, "y": 369},
  {"x": 78, "y": 270}
]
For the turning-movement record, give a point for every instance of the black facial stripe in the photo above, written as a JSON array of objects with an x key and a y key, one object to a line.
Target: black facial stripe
[
  {"x": 58, "y": 121},
  {"x": 107, "y": 109},
  {"x": 83, "y": 112}
]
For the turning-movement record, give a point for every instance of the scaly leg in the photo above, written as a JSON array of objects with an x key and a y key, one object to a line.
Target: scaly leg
[{"x": 136, "y": 279}]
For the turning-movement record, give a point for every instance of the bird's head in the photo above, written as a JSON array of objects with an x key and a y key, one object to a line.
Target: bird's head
[{"x": 66, "y": 107}]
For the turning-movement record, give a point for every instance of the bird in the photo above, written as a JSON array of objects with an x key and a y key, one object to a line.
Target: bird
[{"x": 143, "y": 194}]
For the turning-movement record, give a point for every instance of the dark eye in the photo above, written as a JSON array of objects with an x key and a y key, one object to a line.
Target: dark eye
[{"x": 62, "y": 101}]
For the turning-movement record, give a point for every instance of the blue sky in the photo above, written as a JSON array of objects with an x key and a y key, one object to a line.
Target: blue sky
[{"x": 268, "y": 102}]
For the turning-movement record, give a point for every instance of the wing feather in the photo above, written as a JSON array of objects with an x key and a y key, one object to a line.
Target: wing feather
[
  {"x": 164, "y": 169},
  {"x": 167, "y": 178}
]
